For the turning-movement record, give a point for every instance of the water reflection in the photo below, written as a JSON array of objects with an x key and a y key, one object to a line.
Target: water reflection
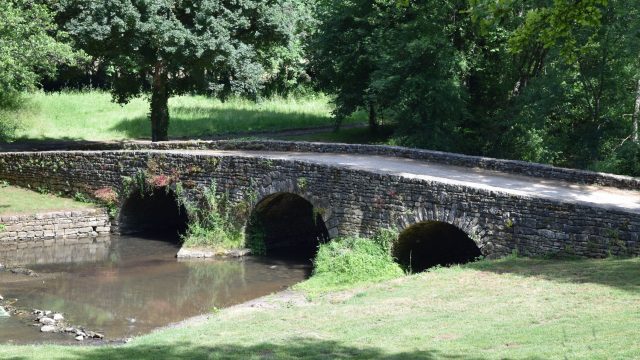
[
  {"x": 139, "y": 285},
  {"x": 60, "y": 252}
]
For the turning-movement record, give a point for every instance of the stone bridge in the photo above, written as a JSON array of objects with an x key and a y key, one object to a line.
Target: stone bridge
[{"x": 501, "y": 205}]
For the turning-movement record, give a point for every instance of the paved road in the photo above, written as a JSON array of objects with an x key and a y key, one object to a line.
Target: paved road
[{"x": 607, "y": 197}]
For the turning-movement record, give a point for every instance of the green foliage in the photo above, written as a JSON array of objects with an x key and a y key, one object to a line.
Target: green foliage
[
  {"x": 211, "y": 225},
  {"x": 3, "y": 227},
  {"x": 545, "y": 81},
  {"x": 385, "y": 238},
  {"x": 255, "y": 237},
  {"x": 11, "y": 105},
  {"x": 170, "y": 48},
  {"x": 30, "y": 46},
  {"x": 348, "y": 261}
]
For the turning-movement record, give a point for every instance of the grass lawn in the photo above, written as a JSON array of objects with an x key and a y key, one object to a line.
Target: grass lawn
[
  {"x": 92, "y": 116},
  {"x": 512, "y": 308},
  {"x": 15, "y": 200}
]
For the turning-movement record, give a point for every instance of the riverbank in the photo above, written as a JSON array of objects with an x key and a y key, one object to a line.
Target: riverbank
[
  {"x": 512, "y": 308},
  {"x": 19, "y": 201}
]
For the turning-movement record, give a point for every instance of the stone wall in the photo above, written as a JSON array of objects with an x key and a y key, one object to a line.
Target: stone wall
[
  {"x": 351, "y": 202},
  {"x": 509, "y": 166},
  {"x": 52, "y": 228}
]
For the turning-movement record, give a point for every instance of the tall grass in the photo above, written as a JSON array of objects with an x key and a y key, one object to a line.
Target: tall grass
[{"x": 93, "y": 116}]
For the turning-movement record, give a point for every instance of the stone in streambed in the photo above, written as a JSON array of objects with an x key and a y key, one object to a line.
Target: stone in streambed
[
  {"x": 48, "y": 328},
  {"x": 47, "y": 321},
  {"x": 238, "y": 252},
  {"x": 79, "y": 337},
  {"x": 58, "y": 317}
]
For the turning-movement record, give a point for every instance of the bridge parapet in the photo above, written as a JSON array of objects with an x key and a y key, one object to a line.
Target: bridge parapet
[{"x": 351, "y": 201}]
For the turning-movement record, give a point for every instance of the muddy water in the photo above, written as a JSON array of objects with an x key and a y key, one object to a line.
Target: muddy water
[{"x": 132, "y": 285}]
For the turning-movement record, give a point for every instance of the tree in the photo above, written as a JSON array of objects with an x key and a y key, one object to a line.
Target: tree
[
  {"x": 29, "y": 50},
  {"x": 170, "y": 47},
  {"x": 342, "y": 54}
]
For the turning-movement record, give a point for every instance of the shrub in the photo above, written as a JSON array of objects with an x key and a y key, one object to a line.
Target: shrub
[
  {"x": 106, "y": 195},
  {"x": 347, "y": 261},
  {"x": 211, "y": 225}
]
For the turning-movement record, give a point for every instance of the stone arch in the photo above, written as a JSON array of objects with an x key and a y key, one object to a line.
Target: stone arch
[
  {"x": 430, "y": 243},
  {"x": 453, "y": 216},
  {"x": 320, "y": 202},
  {"x": 286, "y": 224},
  {"x": 157, "y": 212}
]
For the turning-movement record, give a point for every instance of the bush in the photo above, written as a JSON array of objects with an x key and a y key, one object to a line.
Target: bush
[
  {"x": 348, "y": 261},
  {"x": 212, "y": 226}
]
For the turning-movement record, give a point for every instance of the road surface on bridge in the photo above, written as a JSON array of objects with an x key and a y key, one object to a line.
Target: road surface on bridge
[{"x": 594, "y": 195}]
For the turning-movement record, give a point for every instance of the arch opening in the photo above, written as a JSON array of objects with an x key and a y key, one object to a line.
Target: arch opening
[
  {"x": 427, "y": 244},
  {"x": 286, "y": 225},
  {"x": 156, "y": 213}
]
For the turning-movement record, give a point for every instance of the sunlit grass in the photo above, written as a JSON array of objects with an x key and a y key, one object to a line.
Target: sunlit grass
[
  {"x": 15, "y": 200},
  {"x": 93, "y": 116},
  {"x": 508, "y": 309}
]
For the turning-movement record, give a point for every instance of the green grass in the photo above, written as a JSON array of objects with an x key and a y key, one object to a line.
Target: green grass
[
  {"x": 92, "y": 116},
  {"x": 508, "y": 309},
  {"x": 15, "y": 200}
]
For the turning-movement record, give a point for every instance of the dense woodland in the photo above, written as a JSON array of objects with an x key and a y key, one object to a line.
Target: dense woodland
[{"x": 553, "y": 81}]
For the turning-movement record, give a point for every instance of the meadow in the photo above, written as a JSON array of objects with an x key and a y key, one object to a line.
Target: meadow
[{"x": 93, "y": 116}]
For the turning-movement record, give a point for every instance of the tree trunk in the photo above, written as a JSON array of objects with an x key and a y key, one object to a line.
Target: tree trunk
[
  {"x": 636, "y": 114},
  {"x": 373, "y": 122},
  {"x": 159, "y": 104}
]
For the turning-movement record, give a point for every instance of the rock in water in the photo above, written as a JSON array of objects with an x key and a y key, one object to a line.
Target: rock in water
[
  {"x": 238, "y": 252},
  {"x": 48, "y": 328},
  {"x": 79, "y": 337},
  {"x": 47, "y": 321},
  {"x": 3, "y": 312},
  {"x": 58, "y": 317}
]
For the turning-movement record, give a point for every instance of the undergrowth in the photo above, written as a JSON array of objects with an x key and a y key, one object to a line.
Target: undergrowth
[
  {"x": 344, "y": 262},
  {"x": 211, "y": 224}
]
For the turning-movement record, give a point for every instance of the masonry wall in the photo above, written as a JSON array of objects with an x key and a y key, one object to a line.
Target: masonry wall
[
  {"x": 42, "y": 228},
  {"x": 352, "y": 202},
  {"x": 509, "y": 166}
]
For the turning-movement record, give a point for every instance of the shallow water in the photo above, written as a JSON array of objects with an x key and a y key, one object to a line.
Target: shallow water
[{"x": 132, "y": 285}]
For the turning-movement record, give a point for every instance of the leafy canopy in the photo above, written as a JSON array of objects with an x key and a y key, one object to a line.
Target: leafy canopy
[
  {"x": 28, "y": 50},
  {"x": 169, "y": 47}
]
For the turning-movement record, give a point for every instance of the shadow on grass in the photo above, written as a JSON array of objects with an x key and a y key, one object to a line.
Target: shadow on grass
[
  {"x": 623, "y": 274},
  {"x": 65, "y": 143},
  {"x": 360, "y": 135},
  {"x": 299, "y": 349},
  {"x": 188, "y": 122}
]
